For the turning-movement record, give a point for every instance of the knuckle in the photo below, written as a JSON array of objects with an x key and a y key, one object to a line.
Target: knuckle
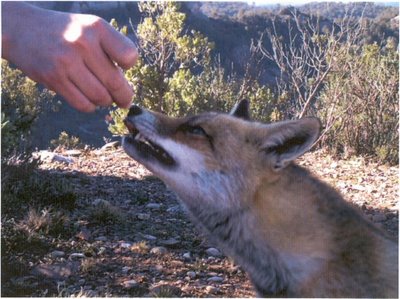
[
  {"x": 115, "y": 84},
  {"x": 86, "y": 107},
  {"x": 103, "y": 99}
]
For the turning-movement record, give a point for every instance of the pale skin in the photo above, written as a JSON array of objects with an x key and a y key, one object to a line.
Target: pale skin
[{"x": 78, "y": 56}]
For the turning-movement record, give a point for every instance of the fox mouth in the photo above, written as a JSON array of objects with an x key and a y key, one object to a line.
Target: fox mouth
[{"x": 145, "y": 147}]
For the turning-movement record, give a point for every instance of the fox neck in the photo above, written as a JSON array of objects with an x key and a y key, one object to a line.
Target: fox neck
[{"x": 264, "y": 246}]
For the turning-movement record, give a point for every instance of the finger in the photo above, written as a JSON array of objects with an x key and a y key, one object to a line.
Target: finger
[
  {"x": 90, "y": 86},
  {"x": 110, "y": 76},
  {"x": 74, "y": 97},
  {"x": 118, "y": 47}
]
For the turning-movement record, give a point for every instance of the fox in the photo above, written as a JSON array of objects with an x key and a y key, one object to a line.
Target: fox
[{"x": 293, "y": 234}]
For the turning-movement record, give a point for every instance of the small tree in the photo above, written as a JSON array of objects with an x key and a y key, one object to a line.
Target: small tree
[
  {"x": 176, "y": 74},
  {"x": 306, "y": 56},
  {"x": 359, "y": 105}
]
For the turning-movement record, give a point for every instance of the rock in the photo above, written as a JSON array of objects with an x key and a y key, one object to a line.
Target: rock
[
  {"x": 211, "y": 290},
  {"x": 47, "y": 156},
  {"x": 126, "y": 269},
  {"x": 62, "y": 159},
  {"x": 191, "y": 274},
  {"x": 159, "y": 250},
  {"x": 143, "y": 216},
  {"x": 171, "y": 243},
  {"x": 57, "y": 253},
  {"x": 81, "y": 281},
  {"x": 84, "y": 234},
  {"x": 111, "y": 145},
  {"x": 129, "y": 284},
  {"x": 73, "y": 152},
  {"x": 158, "y": 268},
  {"x": 101, "y": 239},
  {"x": 58, "y": 271},
  {"x": 153, "y": 206},
  {"x": 73, "y": 256},
  {"x": 216, "y": 279},
  {"x": 187, "y": 256},
  {"x": 125, "y": 245},
  {"x": 149, "y": 237},
  {"x": 213, "y": 252},
  {"x": 378, "y": 217},
  {"x": 174, "y": 209}
]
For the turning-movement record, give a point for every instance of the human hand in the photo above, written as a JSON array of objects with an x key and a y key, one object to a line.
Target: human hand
[{"x": 72, "y": 54}]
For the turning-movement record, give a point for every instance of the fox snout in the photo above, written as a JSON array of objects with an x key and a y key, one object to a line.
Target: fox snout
[{"x": 134, "y": 111}]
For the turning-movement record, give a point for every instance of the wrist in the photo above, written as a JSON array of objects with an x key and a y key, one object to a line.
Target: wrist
[{"x": 15, "y": 17}]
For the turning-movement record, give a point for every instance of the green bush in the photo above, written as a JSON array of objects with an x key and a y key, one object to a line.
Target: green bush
[
  {"x": 21, "y": 103},
  {"x": 65, "y": 141},
  {"x": 359, "y": 105},
  {"x": 176, "y": 75}
]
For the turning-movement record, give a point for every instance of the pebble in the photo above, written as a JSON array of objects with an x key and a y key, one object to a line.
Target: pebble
[
  {"x": 126, "y": 269},
  {"x": 174, "y": 209},
  {"x": 170, "y": 242},
  {"x": 130, "y": 284},
  {"x": 153, "y": 206},
  {"x": 143, "y": 216},
  {"x": 62, "y": 159},
  {"x": 216, "y": 279},
  {"x": 187, "y": 256},
  {"x": 110, "y": 145},
  {"x": 213, "y": 252},
  {"x": 81, "y": 281},
  {"x": 159, "y": 250},
  {"x": 126, "y": 245},
  {"x": 73, "y": 152},
  {"x": 101, "y": 238},
  {"x": 149, "y": 237},
  {"x": 191, "y": 274},
  {"x": 211, "y": 290},
  {"x": 57, "y": 253},
  {"x": 77, "y": 256}
]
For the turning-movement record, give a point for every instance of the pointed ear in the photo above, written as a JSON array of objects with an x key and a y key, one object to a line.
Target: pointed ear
[
  {"x": 287, "y": 141},
  {"x": 241, "y": 110}
]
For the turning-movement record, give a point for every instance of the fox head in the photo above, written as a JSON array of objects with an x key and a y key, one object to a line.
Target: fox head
[{"x": 214, "y": 158}]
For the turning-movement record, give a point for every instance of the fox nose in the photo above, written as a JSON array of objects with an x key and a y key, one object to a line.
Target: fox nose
[{"x": 134, "y": 111}]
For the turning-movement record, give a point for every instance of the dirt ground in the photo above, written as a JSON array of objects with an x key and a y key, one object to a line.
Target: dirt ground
[{"x": 128, "y": 236}]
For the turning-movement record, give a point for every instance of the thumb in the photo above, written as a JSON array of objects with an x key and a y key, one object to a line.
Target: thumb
[{"x": 118, "y": 47}]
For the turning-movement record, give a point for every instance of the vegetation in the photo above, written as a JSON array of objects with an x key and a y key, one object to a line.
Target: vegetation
[
  {"x": 65, "y": 141},
  {"x": 327, "y": 68},
  {"x": 359, "y": 103},
  {"x": 175, "y": 73},
  {"x": 22, "y": 102}
]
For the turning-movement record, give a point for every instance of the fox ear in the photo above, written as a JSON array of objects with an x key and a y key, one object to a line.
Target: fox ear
[
  {"x": 287, "y": 141},
  {"x": 241, "y": 110}
]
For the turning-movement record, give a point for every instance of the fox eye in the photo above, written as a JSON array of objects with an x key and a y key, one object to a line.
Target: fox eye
[{"x": 196, "y": 130}]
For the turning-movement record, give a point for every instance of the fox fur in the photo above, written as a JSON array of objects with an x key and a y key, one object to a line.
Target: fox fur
[{"x": 293, "y": 234}]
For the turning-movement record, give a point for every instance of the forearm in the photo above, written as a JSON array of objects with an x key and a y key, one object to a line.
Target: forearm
[{"x": 15, "y": 16}]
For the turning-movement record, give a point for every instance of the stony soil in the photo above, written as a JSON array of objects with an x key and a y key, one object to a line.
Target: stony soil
[{"x": 130, "y": 237}]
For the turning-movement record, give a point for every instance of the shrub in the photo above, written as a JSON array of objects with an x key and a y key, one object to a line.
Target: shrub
[
  {"x": 359, "y": 105},
  {"x": 21, "y": 103},
  {"x": 66, "y": 141}
]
